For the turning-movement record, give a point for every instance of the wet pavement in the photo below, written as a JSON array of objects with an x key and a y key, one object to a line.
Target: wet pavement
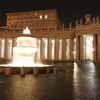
[{"x": 75, "y": 83}]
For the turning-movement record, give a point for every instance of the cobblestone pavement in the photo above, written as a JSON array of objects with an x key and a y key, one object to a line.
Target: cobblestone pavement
[{"x": 76, "y": 83}]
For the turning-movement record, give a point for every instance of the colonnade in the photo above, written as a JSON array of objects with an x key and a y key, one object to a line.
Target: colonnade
[
  {"x": 55, "y": 49},
  {"x": 48, "y": 49},
  {"x": 80, "y": 51},
  {"x": 6, "y": 48}
]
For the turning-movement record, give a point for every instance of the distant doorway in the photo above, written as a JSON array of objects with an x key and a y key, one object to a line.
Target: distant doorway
[{"x": 88, "y": 47}]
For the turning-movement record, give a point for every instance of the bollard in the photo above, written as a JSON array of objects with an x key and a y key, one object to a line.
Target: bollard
[
  {"x": 1, "y": 70},
  {"x": 47, "y": 70},
  {"x": 22, "y": 71},
  {"x": 55, "y": 70},
  {"x": 35, "y": 71},
  {"x": 7, "y": 71}
]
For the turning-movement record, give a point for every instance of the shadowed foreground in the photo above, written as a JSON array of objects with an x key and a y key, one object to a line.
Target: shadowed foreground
[{"x": 76, "y": 83}]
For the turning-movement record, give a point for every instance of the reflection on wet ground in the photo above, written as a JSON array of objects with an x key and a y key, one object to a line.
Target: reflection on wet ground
[{"x": 78, "y": 82}]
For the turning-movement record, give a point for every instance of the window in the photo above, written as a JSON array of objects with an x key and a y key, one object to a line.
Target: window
[
  {"x": 46, "y": 16},
  {"x": 40, "y": 16}
]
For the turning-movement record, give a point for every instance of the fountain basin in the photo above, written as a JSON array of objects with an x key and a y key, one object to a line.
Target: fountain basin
[{"x": 8, "y": 69}]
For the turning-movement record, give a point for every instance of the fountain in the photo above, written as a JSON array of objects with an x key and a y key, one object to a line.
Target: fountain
[
  {"x": 24, "y": 53},
  {"x": 25, "y": 50}
]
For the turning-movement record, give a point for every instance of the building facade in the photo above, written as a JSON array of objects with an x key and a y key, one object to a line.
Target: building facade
[{"x": 43, "y": 31}]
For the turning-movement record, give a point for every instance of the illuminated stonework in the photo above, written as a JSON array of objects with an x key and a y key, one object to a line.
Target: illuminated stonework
[
  {"x": 25, "y": 50},
  {"x": 48, "y": 40},
  {"x": 26, "y": 31}
]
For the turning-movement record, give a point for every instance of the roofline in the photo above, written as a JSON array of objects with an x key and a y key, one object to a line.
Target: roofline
[{"x": 29, "y": 11}]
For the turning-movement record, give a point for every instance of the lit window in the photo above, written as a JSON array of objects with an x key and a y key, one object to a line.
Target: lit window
[
  {"x": 46, "y": 16},
  {"x": 40, "y": 16}
]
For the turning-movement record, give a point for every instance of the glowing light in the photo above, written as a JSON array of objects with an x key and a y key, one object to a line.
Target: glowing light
[
  {"x": 40, "y": 16},
  {"x": 46, "y": 16},
  {"x": 74, "y": 52},
  {"x": 26, "y": 31}
]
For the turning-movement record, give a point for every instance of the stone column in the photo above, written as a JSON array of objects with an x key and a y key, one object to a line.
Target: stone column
[
  {"x": 13, "y": 42},
  {"x": 6, "y": 49},
  {"x": 42, "y": 50},
  {"x": 0, "y": 47},
  {"x": 9, "y": 48},
  {"x": 3, "y": 48},
  {"x": 64, "y": 49},
  {"x": 81, "y": 48},
  {"x": 37, "y": 54},
  {"x": 56, "y": 53},
  {"x": 98, "y": 47},
  {"x": 49, "y": 49},
  {"x": 77, "y": 48},
  {"x": 94, "y": 48},
  {"x": 71, "y": 50}
]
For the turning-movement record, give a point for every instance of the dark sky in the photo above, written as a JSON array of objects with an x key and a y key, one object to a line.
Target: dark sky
[{"x": 68, "y": 10}]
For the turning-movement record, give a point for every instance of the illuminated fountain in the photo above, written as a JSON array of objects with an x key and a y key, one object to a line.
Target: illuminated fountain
[
  {"x": 24, "y": 52},
  {"x": 24, "y": 55}
]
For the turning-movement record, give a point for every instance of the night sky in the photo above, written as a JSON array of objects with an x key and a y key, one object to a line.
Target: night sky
[{"x": 69, "y": 10}]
